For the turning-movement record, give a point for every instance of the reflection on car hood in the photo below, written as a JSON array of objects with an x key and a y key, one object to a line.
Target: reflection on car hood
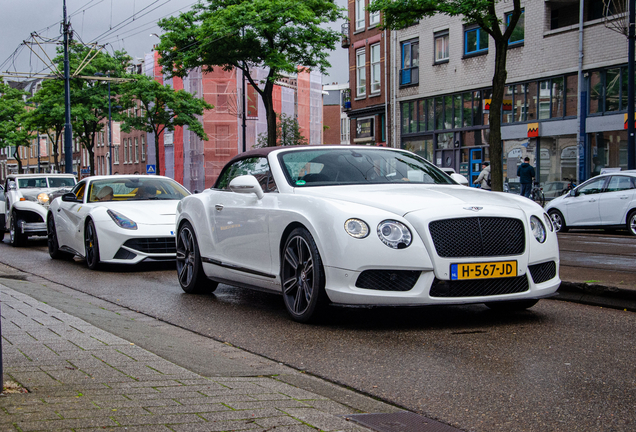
[
  {"x": 145, "y": 212},
  {"x": 402, "y": 199}
]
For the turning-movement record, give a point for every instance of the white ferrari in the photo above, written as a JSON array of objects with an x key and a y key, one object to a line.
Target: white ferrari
[
  {"x": 120, "y": 219},
  {"x": 355, "y": 225}
]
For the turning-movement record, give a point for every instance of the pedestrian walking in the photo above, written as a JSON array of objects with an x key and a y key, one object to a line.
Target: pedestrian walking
[
  {"x": 484, "y": 177},
  {"x": 526, "y": 174}
]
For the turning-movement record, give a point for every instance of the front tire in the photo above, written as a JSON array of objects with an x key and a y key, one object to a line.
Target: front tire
[
  {"x": 190, "y": 272},
  {"x": 558, "y": 221},
  {"x": 302, "y": 276},
  {"x": 91, "y": 246},
  {"x": 16, "y": 238},
  {"x": 54, "y": 246},
  {"x": 512, "y": 306},
  {"x": 631, "y": 223}
]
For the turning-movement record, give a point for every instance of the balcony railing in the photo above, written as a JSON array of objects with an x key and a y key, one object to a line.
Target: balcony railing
[{"x": 346, "y": 40}]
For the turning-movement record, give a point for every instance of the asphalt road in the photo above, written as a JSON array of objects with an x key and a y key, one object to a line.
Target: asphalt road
[{"x": 557, "y": 367}]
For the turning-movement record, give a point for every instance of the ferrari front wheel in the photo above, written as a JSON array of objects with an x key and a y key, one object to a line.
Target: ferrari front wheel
[
  {"x": 91, "y": 246},
  {"x": 54, "y": 246},
  {"x": 302, "y": 276},
  {"x": 189, "y": 268}
]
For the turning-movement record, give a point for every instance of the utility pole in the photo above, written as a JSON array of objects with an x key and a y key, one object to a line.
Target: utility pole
[
  {"x": 630, "y": 86},
  {"x": 68, "y": 131}
]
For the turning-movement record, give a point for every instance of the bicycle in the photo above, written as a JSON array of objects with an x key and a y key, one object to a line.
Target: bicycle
[{"x": 537, "y": 195}]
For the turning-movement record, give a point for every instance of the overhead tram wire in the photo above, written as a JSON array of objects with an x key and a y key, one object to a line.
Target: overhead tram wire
[{"x": 130, "y": 19}]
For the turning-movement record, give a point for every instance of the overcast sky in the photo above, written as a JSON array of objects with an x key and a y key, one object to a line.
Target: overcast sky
[{"x": 102, "y": 22}]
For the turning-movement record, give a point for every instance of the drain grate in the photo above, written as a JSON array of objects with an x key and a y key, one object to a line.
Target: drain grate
[{"x": 403, "y": 421}]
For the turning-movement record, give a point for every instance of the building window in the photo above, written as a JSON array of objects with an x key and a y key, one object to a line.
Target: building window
[
  {"x": 441, "y": 47},
  {"x": 136, "y": 149},
  {"x": 143, "y": 149},
  {"x": 361, "y": 79},
  {"x": 410, "y": 74},
  {"x": 359, "y": 6},
  {"x": 125, "y": 151},
  {"x": 475, "y": 40},
  {"x": 608, "y": 90},
  {"x": 374, "y": 18},
  {"x": 116, "y": 155},
  {"x": 375, "y": 68},
  {"x": 519, "y": 31}
]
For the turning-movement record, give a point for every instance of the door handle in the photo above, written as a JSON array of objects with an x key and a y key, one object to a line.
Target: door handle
[
  {"x": 218, "y": 207},
  {"x": 624, "y": 197}
]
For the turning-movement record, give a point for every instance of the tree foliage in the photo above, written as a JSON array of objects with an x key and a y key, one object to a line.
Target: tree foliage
[
  {"x": 398, "y": 14},
  {"x": 278, "y": 35},
  {"x": 287, "y": 133},
  {"x": 13, "y": 121},
  {"x": 162, "y": 108}
]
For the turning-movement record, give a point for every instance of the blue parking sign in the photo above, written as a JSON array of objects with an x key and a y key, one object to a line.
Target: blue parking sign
[{"x": 150, "y": 169}]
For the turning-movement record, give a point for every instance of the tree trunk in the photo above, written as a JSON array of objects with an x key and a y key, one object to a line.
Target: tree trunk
[
  {"x": 494, "y": 116},
  {"x": 16, "y": 156},
  {"x": 157, "y": 163}
]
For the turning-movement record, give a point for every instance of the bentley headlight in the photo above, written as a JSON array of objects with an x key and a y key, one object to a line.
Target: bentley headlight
[
  {"x": 538, "y": 230},
  {"x": 394, "y": 234},
  {"x": 121, "y": 220},
  {"x": 43, "y": 199},
  {"x": 548, "y": 221},
  {"x": 356, "y": 228}
]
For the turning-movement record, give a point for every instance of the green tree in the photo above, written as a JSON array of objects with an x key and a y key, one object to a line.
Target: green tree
[
  {"x": 287, "y": 133},
  {"x": 162, "y": 108},
  {"x": 278, "y": 35},
  {"x": 48, "y": 115},
  {"x": 403, "y": 13},
  {"x": 14, "y": 131}
]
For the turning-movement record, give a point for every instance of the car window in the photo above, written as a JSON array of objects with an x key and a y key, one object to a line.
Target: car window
[
  {"x": 619, "y": 183},
  {"x": 592, "y": 187},
  {"x": 256, "y": 166},
  {"x": 32, "y": 182},
  {"x": 136, "y": 189},
  {"x": 78, "y": 190},
  {"x": 58, "y": 182},
  {"x": 327, "y": 167}
]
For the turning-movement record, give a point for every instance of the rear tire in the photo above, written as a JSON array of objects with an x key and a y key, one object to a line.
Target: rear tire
[
  {"x": 190, "y": 272},
  {"x": 16, "y": 238},
  {"x": 631, "y": 223},
  {"x": 558, "y": 221},
  {"x": 302, "y": 277},
  {"x": 54, "y": 246},
  {"x": 91, "y": 246},
  {"x": 512, "y": 306}
]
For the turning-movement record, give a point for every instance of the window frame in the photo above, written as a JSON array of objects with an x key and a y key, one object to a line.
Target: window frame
[
  {"x": 374, "y": 18},
  {"x": 443, "y": 35},
  {"x": 375, "y": 80},
  {"x": 359, "y": 15},
  {"x": 507, "y": 17},
  {"x": 413, "y": 71},
  {"x": 479, "y": 50},
  {"x": 361, "y": 77}
]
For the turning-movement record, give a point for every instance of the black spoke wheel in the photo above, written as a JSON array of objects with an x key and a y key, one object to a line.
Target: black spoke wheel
[
  {"x": 54, "y": 246},
  {"x": 558, "y": 221},
  {"x": 189, "y": 268},
  {"x": 91, "y": 246},
  {"x": 302, "y": 276},
  {"x": 15, "y": 236},
  {"x": 512, "y": 306}
]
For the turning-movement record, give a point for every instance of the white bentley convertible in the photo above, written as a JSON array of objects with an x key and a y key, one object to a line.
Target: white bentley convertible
[
  {"x": 358, "y": 225},
  {"x": 121, "y": 219}
]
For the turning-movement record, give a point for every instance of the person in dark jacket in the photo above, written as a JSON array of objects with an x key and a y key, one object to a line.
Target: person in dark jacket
[{"x": 526, "y": 173}]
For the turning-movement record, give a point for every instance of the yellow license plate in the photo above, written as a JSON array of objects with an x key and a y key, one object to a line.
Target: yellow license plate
[{"x": 486, "y": 270}]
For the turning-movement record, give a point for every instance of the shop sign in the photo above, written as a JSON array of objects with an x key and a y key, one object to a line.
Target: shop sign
[{"x": 364, "y": 128}]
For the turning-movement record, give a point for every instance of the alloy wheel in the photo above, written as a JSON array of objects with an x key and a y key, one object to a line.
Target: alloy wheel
[{"x": 298, "y": 275}]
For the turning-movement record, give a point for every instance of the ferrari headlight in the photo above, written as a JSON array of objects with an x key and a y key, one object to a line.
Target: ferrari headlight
[
  {"x": 356, "y": 228},
  {"x": 538, "y": 230},
  {"x": 43, "y": 198},
  {"x": 548, "y": 221},
  {"x": 121, "y": 220},
  {"x": 394, "y": 234}
]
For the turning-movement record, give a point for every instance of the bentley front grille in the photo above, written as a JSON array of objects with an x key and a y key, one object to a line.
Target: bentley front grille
[
  {"x": 478, "y": 237},
  {"x": 388, "y": 280},
  {"x": 479, "y": 287},
  {"x": 161, "y": 245}
]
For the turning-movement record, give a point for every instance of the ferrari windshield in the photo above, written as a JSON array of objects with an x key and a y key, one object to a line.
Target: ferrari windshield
[
  {"x": 345, "y": 166},
  {"x": 136, "y": 189}
]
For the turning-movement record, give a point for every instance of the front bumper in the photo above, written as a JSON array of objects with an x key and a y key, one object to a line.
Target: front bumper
[
  {"x": 148, "y": 242},
  {"x": 32, "y": 228}
]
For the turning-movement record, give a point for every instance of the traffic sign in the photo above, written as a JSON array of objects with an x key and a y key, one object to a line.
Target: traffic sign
[{"x": 150, "y": 169}]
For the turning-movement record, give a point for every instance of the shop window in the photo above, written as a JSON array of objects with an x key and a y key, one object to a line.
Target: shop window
[
  {"x": 430, "y": 114},
  {"x": 544, "y": 100},
  {"x": 445, "y": 141},
  {"x": 557, "y": 97},
  {"x": 612, "y": 89},
  {"x": 571, "y": 95},
  {"x": 506, "y": 105},
  {"x": 486, "y": 98},
  {"x": 409, "y": 73},
  {"x": 518, "y": 33},
  {"x": 439, "y": 113},
  {"x": 467, "y": 108},
  {"x": 375, "y": 68},
  {"x": 519, "y": 107},
  {"x": 478, "y": 108},
  {"x": 475, "y": 40},
  {"x": 441, "y": 47},
  {"x": 624, "y": 88},
  {"x": 457, "y": 110},
  {"x": 423, "y": 148},
  {"x": 361, "y": 79},
  {"x": 408, "y": 117},
  {"x": 448, "y": 112},
  {"x": 421, "y": 114}
]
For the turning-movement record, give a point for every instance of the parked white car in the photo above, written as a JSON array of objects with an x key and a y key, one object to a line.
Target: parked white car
[
  {"x": 357, "y": 225},
  {"x": 120, "y": 219},
  {"x": 27, "y": 199},
  {"x": 604, "y": 201}
]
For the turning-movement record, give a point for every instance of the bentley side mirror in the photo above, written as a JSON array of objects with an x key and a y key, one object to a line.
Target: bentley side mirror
[
  {"x": 459, "y": 179},
  {"x": 246, "y": 184}
]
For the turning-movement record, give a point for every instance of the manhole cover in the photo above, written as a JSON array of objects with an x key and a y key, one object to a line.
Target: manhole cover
[{"x": 400, "y": 422}]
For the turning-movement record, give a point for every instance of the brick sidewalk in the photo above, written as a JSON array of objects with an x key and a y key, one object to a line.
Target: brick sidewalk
[{"x": 80, "y": 377}]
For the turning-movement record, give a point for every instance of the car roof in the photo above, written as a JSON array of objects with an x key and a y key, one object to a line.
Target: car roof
[
  {"x": 265, "y": 151},
  {"x": 39, "y": 175}
]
